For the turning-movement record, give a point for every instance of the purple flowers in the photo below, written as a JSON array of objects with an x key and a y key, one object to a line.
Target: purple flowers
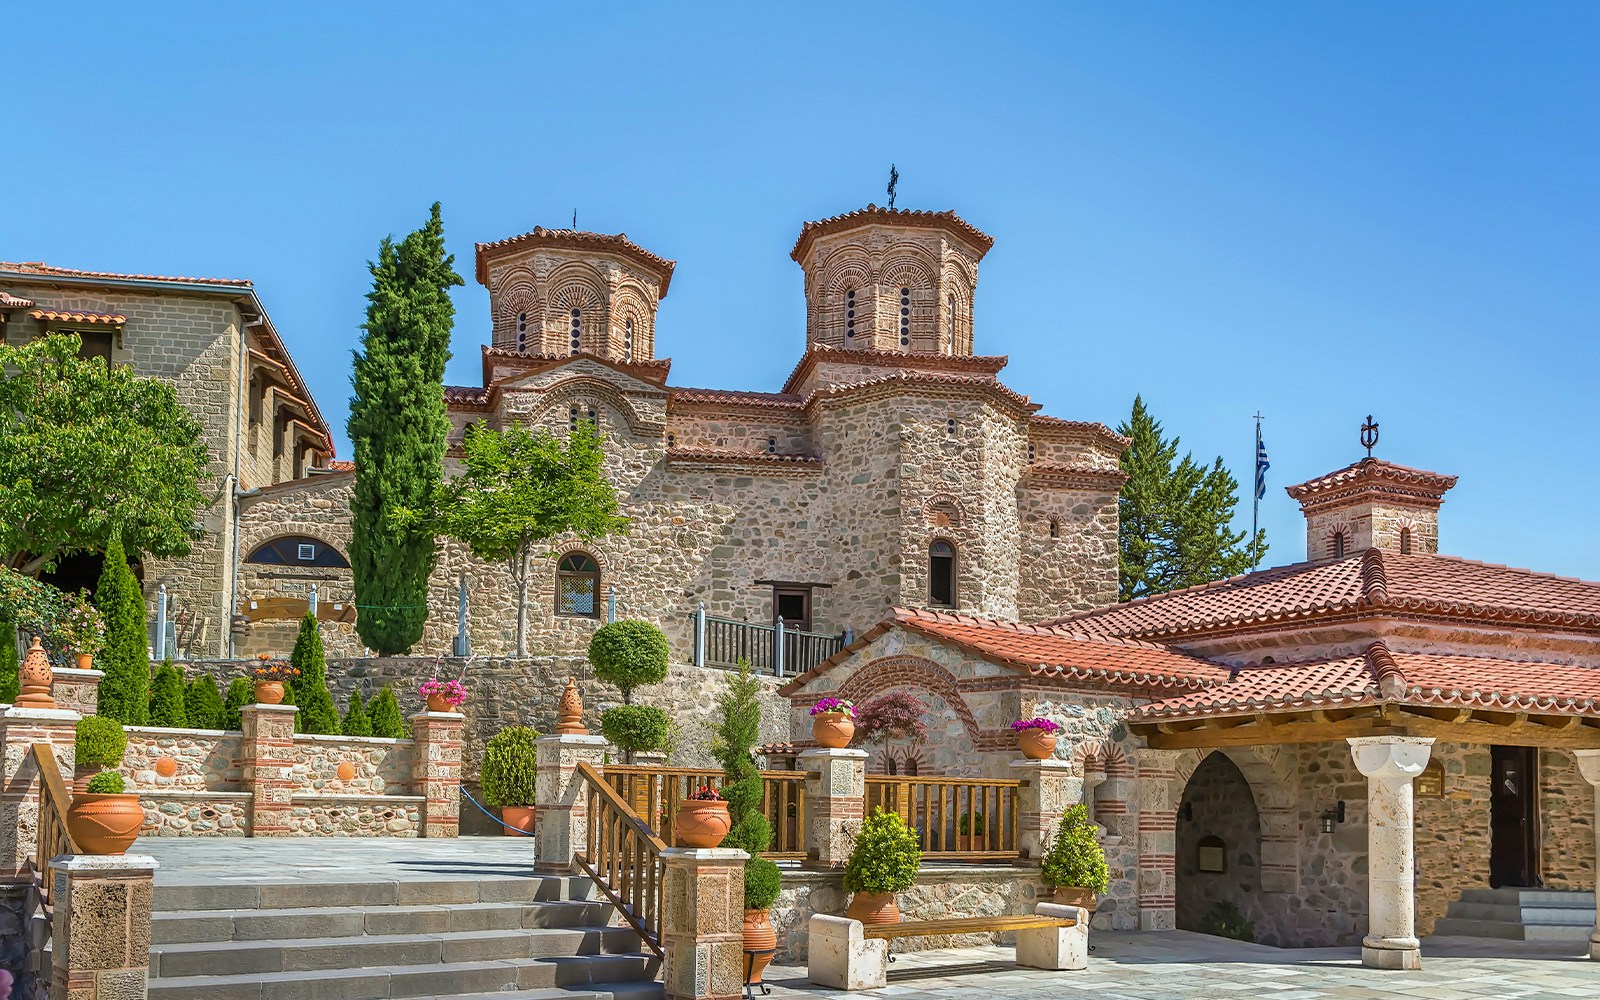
[
  {"x": 1037, "y": 722},
  {"x": 825, "y": 705}
]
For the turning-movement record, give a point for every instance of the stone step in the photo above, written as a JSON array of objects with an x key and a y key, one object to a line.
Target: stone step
[
  {"x": 1544, "y": 898},
  {"x": 270, "y": 895},
  {"x": 369, "y": 951},
  {"x": 194, "y": 926},
  {"x": 1511, "y": 930},
  {"x": 1577, "y": 916},
  {"x": 588, "y": 978}
]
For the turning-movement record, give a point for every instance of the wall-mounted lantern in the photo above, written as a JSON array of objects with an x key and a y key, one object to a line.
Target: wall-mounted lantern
[{"x": 1332, "y": 816}]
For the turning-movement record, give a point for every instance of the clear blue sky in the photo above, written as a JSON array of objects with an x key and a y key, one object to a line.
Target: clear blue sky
[{"x": 1315, "y": 210}]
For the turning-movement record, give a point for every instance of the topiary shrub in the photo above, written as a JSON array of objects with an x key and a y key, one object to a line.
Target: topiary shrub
[
  {"x": 356, "y": 721},
  {"x": 240, "y": 693},
  {"x": 387, "y": 721},
  {"x": 1225, "y": 919},
  {"x": 106, "y": 783},
  {"x": 635, "y": 727},
  {"x": 124, "y": 692},
  {"x": 100, "y": 742},
  {"x": 629, "y": 654},
  {"x": 885, "y": 856},
  {"x": 1075, "y": 857},
  {"x": 510, "y": 761},
  {"x": 202, "y": 703},
  {"x": 166, "y": 698},
  {"x": 310, "y": 687},
  {"x": 762, "y": 883}
]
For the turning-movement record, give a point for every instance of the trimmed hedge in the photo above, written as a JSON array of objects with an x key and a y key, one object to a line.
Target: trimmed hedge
[
  {"x": 100, "y": 742},
  {"x": 629, "y": 654}
]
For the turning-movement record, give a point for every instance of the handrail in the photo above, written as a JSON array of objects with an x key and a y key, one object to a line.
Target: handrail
[
  {"x": 54, "y": 839},
  {"x": 623, "y": 856},
  {"x": 653, "y": 793},
  {"x": 960, "y": 819},
  {"x": 726, "y": 642}
]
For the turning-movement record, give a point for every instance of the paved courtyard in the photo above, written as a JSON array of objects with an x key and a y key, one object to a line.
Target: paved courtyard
[{"x": 1185, "y": 965}]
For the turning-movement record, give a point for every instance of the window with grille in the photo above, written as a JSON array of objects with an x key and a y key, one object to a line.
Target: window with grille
[
  {"x": 905, "y": 317},
  {"x": 577, "y": 330},
  {"x": 942, "y": 574},
  {"x": 578, "y": 586}
]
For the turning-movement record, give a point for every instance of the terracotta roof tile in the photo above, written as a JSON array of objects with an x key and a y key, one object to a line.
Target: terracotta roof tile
[
  {"x": 735, "y": 397},
  {"x": 575, "y": 239},
  {"x": 47, "y": 270},
  {"x": 1373, "y": 471},
  {"x": 927, "y": 379},
  {"x": 1090, "y": 427},
  {"x": 465, "y": 395},
  {"x": 9, "y": 301},
  {"x": 342, "y": 466},
  {"x": 988, "y": 364},
  {"x": 61, "y": 316},
  {"x": 650, "y": 370},
  {"x": 948, "y": 221},
  {"x": 728, "y": 456}
]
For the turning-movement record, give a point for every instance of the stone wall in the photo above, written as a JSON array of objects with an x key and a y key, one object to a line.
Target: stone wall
[
  {"x": 1217, "y": 804},
  {"x": 1566, "y": 811}
]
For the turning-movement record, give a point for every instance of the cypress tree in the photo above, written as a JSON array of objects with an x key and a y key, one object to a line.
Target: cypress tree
[
  {"x": 356, "y": 722},
  {"x": 202, "y": 703},
  {"x": 166, "y": 698},
  {"x": 317, "y": 714},
  {"x": 398, "y": 425},
  {"x": 125, "y": 690},
  {"x": 240, "y": 693},
  {"x": 289, "y": 699},
  {"x": 386, "y": 718},
  {"x": 10, "y": 681}
]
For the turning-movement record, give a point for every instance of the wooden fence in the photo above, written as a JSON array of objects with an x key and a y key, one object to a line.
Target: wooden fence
[
  {"x": 654, "y": 793},
  {"x": 623, "y": 856},
  {"x": 956, "y": 819}
]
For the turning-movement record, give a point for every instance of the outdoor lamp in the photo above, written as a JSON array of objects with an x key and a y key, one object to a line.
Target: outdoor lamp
[{"x": 1332, "y": 816}]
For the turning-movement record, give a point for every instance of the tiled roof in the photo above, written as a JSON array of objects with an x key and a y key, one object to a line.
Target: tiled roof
[
  {"x": 342, "y": 466},
  {"x": 1373, "y": 471},
  {"x": 927, "y": 379},
  {"x": 735, "y": 397},
  {"x": 728, "y": 456},
  {"x": 650, "y": 370},
  {"x": 988, "y": 364},
  {"x": 578, "y": 240},
  {"x": 949, "y": 221},
  {"x": 465, "y": 395},
  {"x": 1091, "y": 427},
  {"x": 1371, "y": 581},
  {"x": 9, "y": 301},
  {"x": 61, "y": 316},
  {"x": 47, "y": 270}
]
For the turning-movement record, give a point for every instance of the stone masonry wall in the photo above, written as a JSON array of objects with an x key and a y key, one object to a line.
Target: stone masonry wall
[
  {"x": 1566, "y": 811},
  {"x": 1223, "y": 807}
]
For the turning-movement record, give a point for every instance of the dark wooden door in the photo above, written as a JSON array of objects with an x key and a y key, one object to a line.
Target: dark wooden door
[{"x": 1514, "y": 817}]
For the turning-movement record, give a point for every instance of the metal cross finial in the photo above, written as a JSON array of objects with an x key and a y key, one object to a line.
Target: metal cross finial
[
  {"x": 1369, "y": 435},
  {"x": 894, "y": 179}
]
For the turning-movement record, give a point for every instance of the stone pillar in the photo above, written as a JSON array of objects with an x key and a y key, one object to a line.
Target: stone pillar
[
  {"x": 1589, "y": 767},
  {"x": 267, "y": 759},
  {"x": 20, "y": 729},
  {"x": 835, "y": 803},
  {"x": 78, "y": 690},
  {"x": 1158, "y": 797},
  {"x": 436, "y": 770},
  {"x": 1049, "y": 788},
  {"x": 563, "y": 813},
  {"x": 702, "y": 936},
  {"x": 1390, "y": 763},
  {"x": 100, "y": 931}
]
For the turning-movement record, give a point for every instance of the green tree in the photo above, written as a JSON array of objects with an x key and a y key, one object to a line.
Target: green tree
[
  {"x": 88, "y": 452},
  {"x": 240, "y": 693},
  {"x": 202, "y": 703},
  {"x": 737, "y": 732},
  {"x": 1176, "y": 515},
  {"x": 355, "y": 721},
  {"x": 10, "y": 681},
  {"x": 386, "y": 718},
  {"x": 517, "y": 490},
  {"x": 166, "y": 698},
  {"x": 124, "y": 692},
  {"x": 398, "y": 425},
  {"x": 629, "y": 654},
  {"x": 317, "y": 714}
]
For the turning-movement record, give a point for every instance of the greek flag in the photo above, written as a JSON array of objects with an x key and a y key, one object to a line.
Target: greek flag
[{"x": 1262, "y": 465}]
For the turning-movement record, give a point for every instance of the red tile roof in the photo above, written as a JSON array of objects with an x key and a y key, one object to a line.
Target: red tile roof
[
  {"x": 651, "y": 370},
  {"x": 948, "y": 221},
  {"x": 987, "y": 364},
  {"x": 577, "y": 240},
  {"x": 9, "y": 301},
  {"x": 1040, "y": 421},
  {"x": 465, "y": 395},
  {"x": 61, "y": 316},
  {"x": 342, "y": 466},
  {"x": 734, "y": 397},
  {"x": 47, "y": 270},
  {"x": 1373, "y": 470},
  {"x": 926, "y": 379}
]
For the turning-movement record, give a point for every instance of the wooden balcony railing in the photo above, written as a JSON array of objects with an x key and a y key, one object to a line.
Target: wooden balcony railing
[
  {"x": 53, "y": 840},
  {"x": 653, "y": 793},
  {"x": 957, "y": 819},
  {"x": 623, "y": 857}
]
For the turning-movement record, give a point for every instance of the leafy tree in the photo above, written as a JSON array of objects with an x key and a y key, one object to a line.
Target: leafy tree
[
  {"x": 894, "y": 714},
  {"x": 518, "y": 490},
  {"x": 124, "y": 692},
  {"x": 317, "y": 714},
  {"x": 240, "y": 693},
  {"x": 202, "y": 703},
  {"x": 166, "y": 698},
  {"x": 89, "y": 452},
  {"x": 356, "y": 722},
  {"x": 10, "y": 681},
  {"x": 398, "y": 425},
  {"x": 1176, "y": 515},
  {"x": 386, "y": 718},
  {"x": 629, "y": 654}
]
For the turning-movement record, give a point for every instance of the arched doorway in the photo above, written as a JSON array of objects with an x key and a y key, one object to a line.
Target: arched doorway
[{"x": 1219, "y": 855}]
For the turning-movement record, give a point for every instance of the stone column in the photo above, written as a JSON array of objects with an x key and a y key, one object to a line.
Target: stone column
[
  {"x": 562, "y": 811},
  {"x": 1390, "y": 763},
  {"x": 78, "y": 690},
  {"x": 835, "y": 803},
  {"x": 1158, "y": 797},
  {"x": 20, "y": 729},
  {"x": 1589, "y": 767},
  {"x": 1049, "y": 788},
  {"x": 702, "y": 936},
  {"x": 436, "y": 770},
  {"x": 100, "y": 931},
  {"x": 266, "y": 755}
]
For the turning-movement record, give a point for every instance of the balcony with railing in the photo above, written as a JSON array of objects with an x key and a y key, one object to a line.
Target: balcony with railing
[{"x": 777, "y": 649}]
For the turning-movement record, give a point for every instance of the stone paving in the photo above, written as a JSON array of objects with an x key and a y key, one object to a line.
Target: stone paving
[
  {"x": 225, "y": 860},
  {"x": 1179, "y": 964}
]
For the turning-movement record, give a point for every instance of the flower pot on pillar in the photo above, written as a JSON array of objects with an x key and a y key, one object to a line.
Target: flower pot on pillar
[
  {"x": 833, "y": 722},
  {"x": 104, "y": 824},
  {"x": 269, "y": 692},
  {"x": 1036, "y": 737},
  {"x": 85, "y": 661},
  {"x": 701, "y": 823}
]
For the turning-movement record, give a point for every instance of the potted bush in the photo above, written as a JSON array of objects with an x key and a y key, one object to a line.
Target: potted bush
[
  {"x": 1036, "y": 737},
  {"x": 833, "y": 722},
  {"x": 443, "y": 696},
  {"x": 270, "y": 677},
  {"x": 971, "y": 832},
  {"x": 883, "y": 862},
  {"x": 1075, "y": 865},
  {"x": 105, "y": 817},
  {"x": 702, "y": 819},
  {"x": 635, "y": 728},
  {"x": 81, "y": 629},
  {"x": 738, "y": 730},
  {"x": 510, "y": 766}
]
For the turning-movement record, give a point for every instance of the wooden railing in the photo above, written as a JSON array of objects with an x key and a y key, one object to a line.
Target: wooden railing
[
  {"x": 623, "y": 857},
  {"x": 963, "y": 819},
  {"x": 653, "y": 793},
  {"x": 53, "y": 840},
  {"x": 724, "y": 642}
]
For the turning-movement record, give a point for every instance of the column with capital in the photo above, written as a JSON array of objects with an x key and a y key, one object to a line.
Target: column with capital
[
  {"x": 1589, "y": 767},
  {"x": 1390, "y": 763}
]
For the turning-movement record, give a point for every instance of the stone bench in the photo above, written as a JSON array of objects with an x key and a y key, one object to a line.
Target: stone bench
[{"x": 847, "y": 955}]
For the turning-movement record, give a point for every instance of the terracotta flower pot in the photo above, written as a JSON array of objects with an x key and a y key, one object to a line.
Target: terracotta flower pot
[
  {"x": 873, "y": 908},
  {"x": 1036, "y": 744},
  {"x": 701, "y": 822},
  {"x": 520, "y": 817},
  {"x": 833, "y": 729},
  {"x": 758, "y": 936},
  {"x": 1076, "y": 895},
  {"x": 437, "y": 703},
  {"x": 85, "y": 661},
  {"x": 269, "y": 692},
  {"x": 104, "y": 824}
]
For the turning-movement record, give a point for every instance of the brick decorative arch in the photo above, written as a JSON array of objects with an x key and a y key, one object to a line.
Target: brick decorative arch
[{"x": 896, "y": 672}]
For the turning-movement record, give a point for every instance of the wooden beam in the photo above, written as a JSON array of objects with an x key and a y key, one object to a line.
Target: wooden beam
[
  {"x": 1556, "y": 732},
  {"x": 1288, "y": 730}
]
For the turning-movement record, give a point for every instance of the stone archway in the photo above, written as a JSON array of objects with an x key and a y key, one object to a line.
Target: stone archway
[
  {"x": 1218, "y": 851},
  {"x": 1273, "y": 776}
]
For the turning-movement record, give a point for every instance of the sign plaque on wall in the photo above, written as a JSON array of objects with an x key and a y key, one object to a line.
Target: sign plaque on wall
[
  {"x": 1430, "y": 783},
  {"x": 1211, "y": 855}
]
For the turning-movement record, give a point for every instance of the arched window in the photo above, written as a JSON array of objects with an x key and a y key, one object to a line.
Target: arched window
[
  {"x": 1405, "y": 541},
  {"x": 578, "y": 586},
  {"x": 950, "y": 323},
  {"x": 1055, "y": 528},
  {"x": 297, "y": 550},
  {"x": 1337, "y": 545},
  {"x": 850, "y": 315},
  {"x": 905, "y": 317},
  {"x": 627, "y": 340},
  {"x": 577, "y": 330},
  {"x": 942, "y": 574}
]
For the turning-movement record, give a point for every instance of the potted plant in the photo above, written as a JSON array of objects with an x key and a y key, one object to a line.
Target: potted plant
[
  {"x": 270, "y": 676},
  {"x": 105, "y": 817},
  {"x": 1036, "y": 737},
  {"x": 702, "y": 819},
  {"x": 833, "y": 722},
  {"x": 971, "y": 832},
  {"x": 510, "y": 761},
  {"x": 737, "y": 732},
  {"x": 883, "y": 862},
  {"x": 443, "y": 696},
  {"x": 80, "y": 629},
  {"x": 1075, "y": 865}
]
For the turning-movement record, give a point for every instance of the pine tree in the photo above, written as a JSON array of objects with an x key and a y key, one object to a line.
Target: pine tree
[
  {"x": 125, "y": 689},
  {"x": 166, "y": 698},
  {"x": 202, "y": 703},
  {"x": 386, "y": 718},
  {"x": 10, "y": 681},
  {"x": 1176, "y": 515},
  {"x": 289, "y": 699},
  {"x": 398, "y": 425},
  {"x": 317, "y": 714},
  {"x": 240, "y": 693},
  {"x": 356, "y": 722}
]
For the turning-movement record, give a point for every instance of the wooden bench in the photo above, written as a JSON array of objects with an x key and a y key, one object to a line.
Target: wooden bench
[{"x": 846, "y": 955}]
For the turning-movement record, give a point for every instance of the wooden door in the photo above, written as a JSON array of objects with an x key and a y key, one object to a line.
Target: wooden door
[{"x": 1514, "y": 817}]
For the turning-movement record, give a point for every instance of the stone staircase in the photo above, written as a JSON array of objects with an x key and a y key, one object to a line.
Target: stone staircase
[
  {"x": 1520, "y": 915},
  {"x": 541, "y": 938}
]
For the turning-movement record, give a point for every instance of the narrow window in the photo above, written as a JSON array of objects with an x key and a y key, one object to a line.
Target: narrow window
[
  {"x": 577, "y": 330},
  {"x": 627, "y": 340},
  {"x": 1405, "y": 541},
  {"x": 1338, "y": 545},
  {"x": 772, "y": 446},
  {"x": 578, "y": 586},
  {"x": 905, "y": 317},
  {"x": 1055, "y": 528},
  {"x": 1030, "y": 454},
  {"x": 942, "y": 574},
  {"x": 850, "y": 314},
  {"x": 950, "y": 321},
  {"x": 950, "y": 426},
  {"x": 522, "y": 332},
  {"x": 672, "y": 440},
  {"x": 572, "y": 418}
]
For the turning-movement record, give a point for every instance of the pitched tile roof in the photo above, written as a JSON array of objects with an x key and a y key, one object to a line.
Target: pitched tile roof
[
  {"x": 1372, "y": 476},
  {"x": 1094, "y": 428},
  {"x": 650, "y": 370},
  {"x": 578, "y": 240},
  {"x": 465, "y": 395},
  {"x": 734, "y": 397},
  {"x": 62, "y": 316},
  {"x": 949, "y": 221},
  {"x": 9, "y": 301},
  {"x": 927, "y": 379},
  {"x": 48, "y": 270},
  {"x": 987, "y": 364}
]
